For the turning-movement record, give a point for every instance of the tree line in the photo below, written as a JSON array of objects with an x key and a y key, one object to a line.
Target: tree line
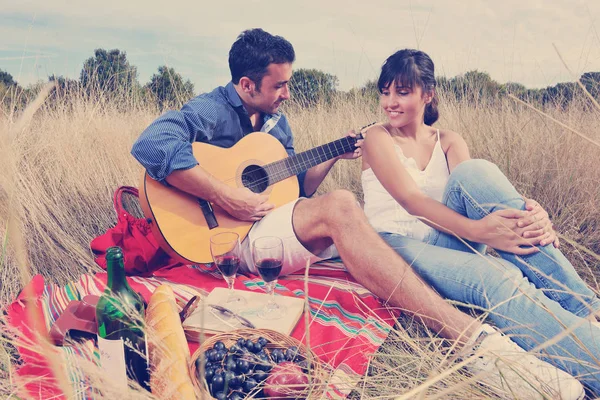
[
  {"x": 477, "y": 87},
  {"x": 109, "y": 75}
]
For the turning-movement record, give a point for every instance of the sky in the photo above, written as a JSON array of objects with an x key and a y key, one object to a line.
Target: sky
[{"x": 512, "y": 40}]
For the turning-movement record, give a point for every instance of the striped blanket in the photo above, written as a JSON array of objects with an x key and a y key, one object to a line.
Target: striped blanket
[{"x": 347, "y": 323}]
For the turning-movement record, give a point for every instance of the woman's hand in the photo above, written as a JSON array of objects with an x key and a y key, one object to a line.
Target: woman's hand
[
  {"x": 499, "y": 230},
  {"x": 536, "y": 225}
]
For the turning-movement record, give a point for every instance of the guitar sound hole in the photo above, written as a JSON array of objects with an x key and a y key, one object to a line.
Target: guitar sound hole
[{"x": 255, "y": 178}]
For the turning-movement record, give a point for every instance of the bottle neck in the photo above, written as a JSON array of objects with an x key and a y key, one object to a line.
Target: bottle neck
[{"x": 116, "y": 275}]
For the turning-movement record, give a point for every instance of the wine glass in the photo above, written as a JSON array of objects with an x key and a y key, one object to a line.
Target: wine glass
[
  {"x": 225, "y": 250},
  {"x": 267, "y": 254}
]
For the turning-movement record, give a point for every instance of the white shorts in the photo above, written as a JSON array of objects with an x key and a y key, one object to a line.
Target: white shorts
[{"x": 279, "y": 223}]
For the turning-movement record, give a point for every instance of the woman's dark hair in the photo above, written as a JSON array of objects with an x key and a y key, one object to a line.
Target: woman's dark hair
[
  {"x": 410, "y": 68},
  {"x": 253, "y": 51}
]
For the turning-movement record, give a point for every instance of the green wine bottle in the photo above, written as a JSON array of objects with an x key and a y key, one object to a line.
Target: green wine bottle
[{"x": 121, "y": 336}]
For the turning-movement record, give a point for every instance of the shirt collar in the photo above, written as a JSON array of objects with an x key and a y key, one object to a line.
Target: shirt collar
[
  {"x": 232, "y": 96},
  {"x": 234, "y": 99}
]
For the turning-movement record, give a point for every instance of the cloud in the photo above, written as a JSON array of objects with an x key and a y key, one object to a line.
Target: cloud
[
  {"x": 512, "y": 40},
  {"x": 26, "y": 57}
]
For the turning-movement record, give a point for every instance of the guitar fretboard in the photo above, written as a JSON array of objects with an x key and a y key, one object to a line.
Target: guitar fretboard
[{"x": 283, "y": 169}]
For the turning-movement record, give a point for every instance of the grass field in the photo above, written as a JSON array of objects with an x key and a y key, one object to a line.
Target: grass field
[{"x": 60, "y": 166}]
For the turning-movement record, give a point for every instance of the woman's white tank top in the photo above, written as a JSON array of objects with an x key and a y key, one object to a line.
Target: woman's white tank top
[{"x": 385, "y": 214}]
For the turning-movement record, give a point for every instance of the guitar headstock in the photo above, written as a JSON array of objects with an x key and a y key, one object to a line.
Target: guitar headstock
[
  {"x": 367, "y": 126},
  {"x": 359, "y": 135}
]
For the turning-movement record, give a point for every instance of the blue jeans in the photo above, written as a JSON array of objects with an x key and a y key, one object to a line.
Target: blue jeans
[
  {"x": 532, "y": 298},
  {"x": 478, "y": 187}
]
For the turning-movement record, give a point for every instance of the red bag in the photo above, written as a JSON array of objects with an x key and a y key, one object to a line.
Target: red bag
[{"x": 141, "y": 252}]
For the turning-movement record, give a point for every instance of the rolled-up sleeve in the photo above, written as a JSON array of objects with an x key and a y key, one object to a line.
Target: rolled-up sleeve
[{"x": 166, "y": 145}]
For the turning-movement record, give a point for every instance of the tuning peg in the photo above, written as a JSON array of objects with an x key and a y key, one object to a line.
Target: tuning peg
[{"x": 366, "y": 126}]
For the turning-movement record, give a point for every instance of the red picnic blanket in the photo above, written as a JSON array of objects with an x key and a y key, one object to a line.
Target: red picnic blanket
[{"x": 347, "y": 323}]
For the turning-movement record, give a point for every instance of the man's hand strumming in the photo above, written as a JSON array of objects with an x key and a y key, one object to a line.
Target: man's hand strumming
[{"x": 243, "y": 204}]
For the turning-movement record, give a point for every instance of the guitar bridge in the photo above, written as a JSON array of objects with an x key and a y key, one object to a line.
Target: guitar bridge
[{"x": 209, "y": 214}]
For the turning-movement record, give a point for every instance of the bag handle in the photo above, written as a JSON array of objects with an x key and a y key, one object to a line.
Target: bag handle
[{"x": 118, "y": 198}]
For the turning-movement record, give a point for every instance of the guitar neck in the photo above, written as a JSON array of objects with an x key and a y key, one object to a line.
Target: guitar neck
[{"x": 283, "y": 169}]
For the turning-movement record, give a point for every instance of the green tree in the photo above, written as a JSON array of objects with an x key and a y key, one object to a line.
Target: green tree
[
  {"x": 6, "y": 79},
  {"x": 560, "y": 95},
  {"x": 11, "y": 94},
  {"x": 169, "y": 88},
  {"x": 481, "y": 85},
  {"x": 367, "y": 91},
  {"x": 472, "y": 86},
  {"x": 108, "y": 72},
  {"x": 533, "y": 96},
  {"x": 309, "y": 86},
  {"x": 513, "y": 88},
  {"x": 64, "y": 93},
  {"x": 64, "y": 85},
  {"x": 591, "y": 81},
  {"x": 370, "y": 89}
]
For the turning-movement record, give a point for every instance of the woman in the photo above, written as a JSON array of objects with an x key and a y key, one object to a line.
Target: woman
[{"x": 411, "y": 169}]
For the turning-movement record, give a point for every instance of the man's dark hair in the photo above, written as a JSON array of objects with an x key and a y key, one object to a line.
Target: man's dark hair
[{"x": 253, "y": 51}]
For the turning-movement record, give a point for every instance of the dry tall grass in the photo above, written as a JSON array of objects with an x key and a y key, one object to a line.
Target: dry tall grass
[{"x": 62, "y": 166}]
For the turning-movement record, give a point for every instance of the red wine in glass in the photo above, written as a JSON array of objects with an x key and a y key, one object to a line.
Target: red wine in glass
[
  {"x": 225, "y": 250},
  {"x": 269, "y": 269},
  {"x": 267, "y": 254},
  {"x": 228, "y": 265}
]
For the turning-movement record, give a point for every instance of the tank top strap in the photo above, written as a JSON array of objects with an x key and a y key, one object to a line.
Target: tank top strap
[{"x": 385, "y": 129}]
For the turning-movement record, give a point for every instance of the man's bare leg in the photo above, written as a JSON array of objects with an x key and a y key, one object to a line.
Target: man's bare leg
[{"x": 336, "y": 218}]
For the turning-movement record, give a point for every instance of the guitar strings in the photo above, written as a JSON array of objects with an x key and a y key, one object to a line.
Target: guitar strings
[
  {"x": 277, "y": 175},
  {"x": 303, "y": 163}
]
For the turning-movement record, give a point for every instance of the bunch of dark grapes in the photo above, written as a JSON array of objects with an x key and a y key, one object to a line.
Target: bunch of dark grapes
[{"x": 233, "y": 373}]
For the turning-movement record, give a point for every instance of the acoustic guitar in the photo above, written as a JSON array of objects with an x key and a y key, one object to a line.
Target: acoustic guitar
[{"x": 183, "y": 224}]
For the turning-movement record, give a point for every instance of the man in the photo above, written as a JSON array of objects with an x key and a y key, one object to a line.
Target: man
[{"x": 311, "y": 228}]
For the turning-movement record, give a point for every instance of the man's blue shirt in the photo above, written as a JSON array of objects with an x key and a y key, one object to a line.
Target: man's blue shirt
[{"x": 218, "y": 118}]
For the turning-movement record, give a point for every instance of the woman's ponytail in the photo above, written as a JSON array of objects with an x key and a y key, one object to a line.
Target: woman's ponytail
[{"x": 431, "y": 111}]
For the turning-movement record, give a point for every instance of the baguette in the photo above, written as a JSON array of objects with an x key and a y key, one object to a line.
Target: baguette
[{"x": 168, "y": 348}]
